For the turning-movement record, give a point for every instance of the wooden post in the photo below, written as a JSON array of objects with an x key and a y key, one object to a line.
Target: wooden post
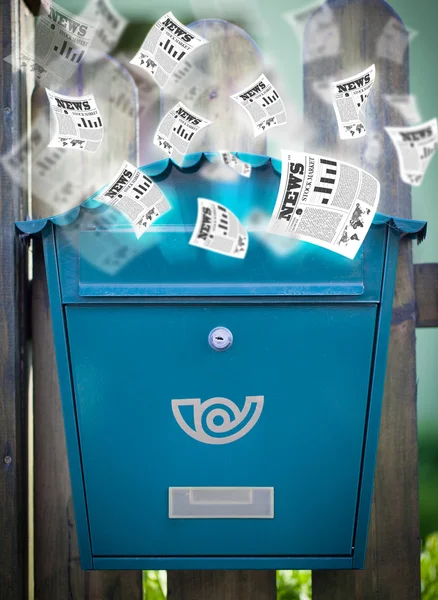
[
  {"x": 392, "y": 566},
  {"x": 221, "y": 585},
  {"x": 233, "y": 61},
  {"x": 58, "y": 574},
  {"x": 13, "y": 330}
]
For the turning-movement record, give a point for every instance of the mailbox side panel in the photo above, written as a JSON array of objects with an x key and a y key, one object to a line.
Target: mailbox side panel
[
  {"x": 68, "y": 405},
  {"x": 377, "y": 384}
]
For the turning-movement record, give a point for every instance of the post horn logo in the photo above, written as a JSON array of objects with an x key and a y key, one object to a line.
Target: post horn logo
[{"x": 218, "y": 420}]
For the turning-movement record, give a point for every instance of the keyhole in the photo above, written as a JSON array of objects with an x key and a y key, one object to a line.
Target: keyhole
[{"x": 220, "y": 339}]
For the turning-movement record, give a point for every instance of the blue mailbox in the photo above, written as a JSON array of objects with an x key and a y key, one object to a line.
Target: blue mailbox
[{"x": 219, "y": 413}]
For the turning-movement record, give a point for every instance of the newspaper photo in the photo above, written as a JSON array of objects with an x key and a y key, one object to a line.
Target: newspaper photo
[
  {"x": 165, "y": 47},
  {"x": 60, "y": 43},
  {"x": 177, "y": 130},
  {"x": 231, "y": 160},
  {"x": 77, "y": 122},
  {"x": 137, "y": 196},
  {"x": 406, "y": 105},
  {"x": 324, "y": 201},
  {"x": 349, "y": 99},
  {"x": 109, "y": 24},
  {"x": 219, "y": 230},
  {"x": 415, "y": 148},
  {"x": 262, "y": 104}
]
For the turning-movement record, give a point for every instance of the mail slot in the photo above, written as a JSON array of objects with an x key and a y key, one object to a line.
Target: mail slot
[{"x": 219, "y": 413}]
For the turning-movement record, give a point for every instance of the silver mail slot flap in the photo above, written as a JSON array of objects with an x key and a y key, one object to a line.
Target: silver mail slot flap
[{"x": 221, "y": 503}]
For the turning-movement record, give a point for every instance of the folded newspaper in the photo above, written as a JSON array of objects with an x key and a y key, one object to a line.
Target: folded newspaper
[
  {"x": 219, "y": 230},
  {"x": 109, "y": 25},
  {"x": 137, "y": 196},
  {"x": 262, "y": 104},
  {"x": 415, "y": 148},
  {"x": 77, "y": 120},
  {"x": 231, "y": 160},
  {"x": 349, "y": 99},
  {"x": 165, "y": 47},
  {"x": 60, "y": 43},
  {"x": 177, "y": 130},
  {"x": 324, "y": 201}
]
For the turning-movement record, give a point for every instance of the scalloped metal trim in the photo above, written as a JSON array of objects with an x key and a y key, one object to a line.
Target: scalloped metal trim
[{"x": 404, "y": 226}]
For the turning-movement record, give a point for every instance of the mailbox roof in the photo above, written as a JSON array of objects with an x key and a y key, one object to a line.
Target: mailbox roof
[{"x": 413, "y": 228}]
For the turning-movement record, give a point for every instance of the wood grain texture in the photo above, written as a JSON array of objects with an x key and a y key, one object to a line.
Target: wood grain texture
[
  {"x": 392, "y": 566},
  {"x": 229, "y": 62},
  {"x": 13, "y": 330},
  {"x": 426, "y": 294},
  {"x": 232, "y": 60},
  {"x": 57, "y": 570},
  {"x": 58, "y": 574},
  {"x": 221, "y": 585}
]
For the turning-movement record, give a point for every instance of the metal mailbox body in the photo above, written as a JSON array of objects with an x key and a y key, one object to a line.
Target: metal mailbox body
[{"x": 158, "y": 480}]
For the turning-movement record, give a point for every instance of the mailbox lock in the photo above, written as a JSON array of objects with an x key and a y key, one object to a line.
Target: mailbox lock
[{"x": 220, "y": 339}]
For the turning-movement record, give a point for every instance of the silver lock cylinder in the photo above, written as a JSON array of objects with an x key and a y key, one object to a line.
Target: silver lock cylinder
[{"x": 220, "y": 339}]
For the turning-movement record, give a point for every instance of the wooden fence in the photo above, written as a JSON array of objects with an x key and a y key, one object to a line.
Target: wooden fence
[{"x": 392, "y": 569}]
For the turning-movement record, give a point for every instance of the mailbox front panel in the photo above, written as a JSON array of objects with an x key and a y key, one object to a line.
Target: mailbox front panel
[{"x": 295, "y": 380}]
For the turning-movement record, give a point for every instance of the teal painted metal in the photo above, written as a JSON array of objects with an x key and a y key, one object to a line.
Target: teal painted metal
[{"x": 305, "y": 372}]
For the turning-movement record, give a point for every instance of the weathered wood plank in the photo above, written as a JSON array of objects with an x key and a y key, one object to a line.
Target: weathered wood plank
[
  {"x": 13, "y": 330},
  {"x": 221, "y": 585},
  {"x": 232, "y": 61},
  {"x": 426, "y": 294},
  {"x": 392, "y": 566},
  {"x": 393, "y": 544},
  {"x": 58, "y": 574}
]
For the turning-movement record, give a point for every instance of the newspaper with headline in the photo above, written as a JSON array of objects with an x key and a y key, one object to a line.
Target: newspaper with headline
[
  {"x": 231, "y": 160},
  {"x": 177, "y": 130},
  {"x": 263, "y": 105},
  {"x": 110, "y": 25},
  {"x": 219, "y": 230},
  {"x": 324, "y": 201},
  {"x": 137, "y": 196},
  {"x": 60, "y": 43},
  {"x": 77, "y": 120},
  {"x": 415, "y": 148},
  {"x": 349, "y": 99},
  {"x": 165, "y": 47}
]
